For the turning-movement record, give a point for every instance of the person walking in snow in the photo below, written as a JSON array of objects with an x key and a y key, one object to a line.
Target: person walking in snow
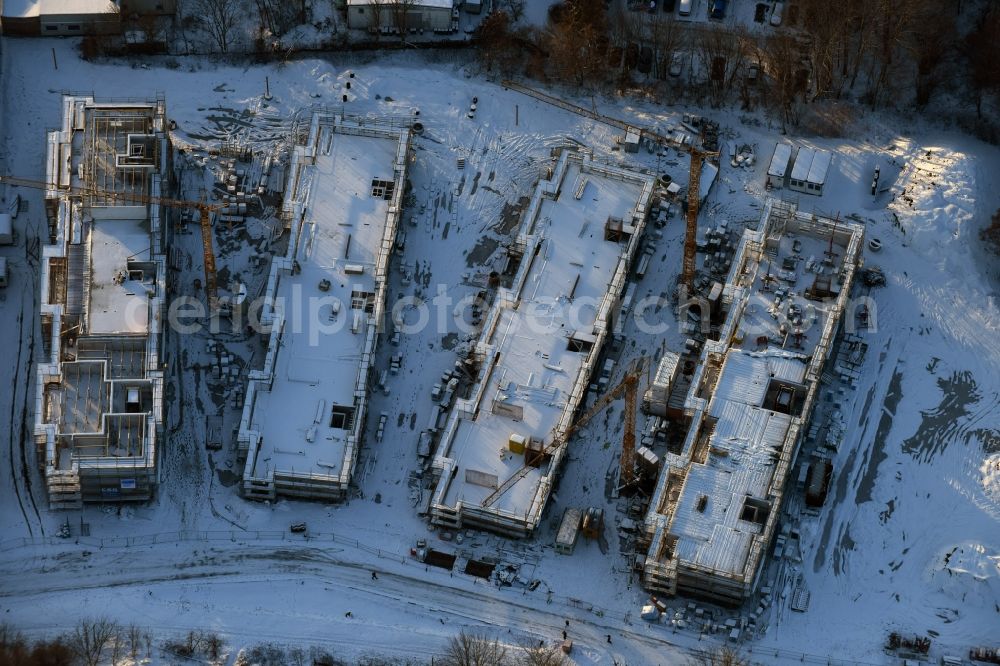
[
  {"x": 609, "y": 638},
  {"x": 374, "y": 576}
]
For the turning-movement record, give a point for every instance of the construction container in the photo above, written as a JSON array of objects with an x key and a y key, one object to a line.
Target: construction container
[
  {"x": 534, "y": 452},
  {"x": 516, "y": 443},
  {"x": 569, "y": 531},
  {"x": 818, "y": 481},
  {"x": 650, "y": 613},
  {"x": 649, "y": 462}
]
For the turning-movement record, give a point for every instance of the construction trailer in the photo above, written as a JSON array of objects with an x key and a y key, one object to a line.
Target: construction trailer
[
  {"x": 534, "y": 372},
  {"x": 777, "y": 170},
  {"x": 99, "y": 403},
  {"x": 810, "y": 171},
  {"x": 569, "y": 531},
  {"x": 817, "y": 482},
  {"x": 304, "y": 412},
  {"x": 716, "y": 504}
]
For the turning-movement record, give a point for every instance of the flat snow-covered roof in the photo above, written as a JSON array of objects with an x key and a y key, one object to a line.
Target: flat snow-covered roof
[
  {"x": 803, "y": 162},
  {"x": 566, "y": 282},
  {"x": 811, "y": 165},
  {"x": 433, "y": 4},
  {"x": 779, "y": 161},
  {"x": 118, "y": 304},
  {"x": 325, "y": 292},
  {"x": 33, "y": 8},
  {"x": 819, "y": 167}
]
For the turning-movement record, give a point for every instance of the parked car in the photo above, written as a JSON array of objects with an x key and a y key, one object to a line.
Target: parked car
[
  {"x": 676, "y": 64},
  {"x": 776, "y": 12},
  {"x": 717, "y": 9},
  {"x": 684, "y": 9}
]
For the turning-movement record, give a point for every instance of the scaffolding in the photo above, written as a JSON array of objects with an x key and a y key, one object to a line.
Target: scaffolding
[
  {"x": 99, "y": 403},
  {"x": 742, "y": 442}
]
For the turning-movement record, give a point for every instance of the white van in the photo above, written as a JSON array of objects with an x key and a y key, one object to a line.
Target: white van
[{"x": 684, "y": 7}]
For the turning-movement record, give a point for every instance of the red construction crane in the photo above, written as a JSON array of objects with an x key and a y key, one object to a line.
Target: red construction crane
[
  {"x": 629, "y": 386},
  {"x": 204, "y": 209},
  {"x": 694, "y": 199}
]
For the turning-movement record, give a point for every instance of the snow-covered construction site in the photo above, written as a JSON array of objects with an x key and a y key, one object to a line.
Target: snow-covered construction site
[
  {"x": 718, "y": 502},
  {"x": 99, "y": 406},
  {"x": 503, "y": 447},
  {"x": 305, "y": 410},
  {"x": 336, "y": 359}
]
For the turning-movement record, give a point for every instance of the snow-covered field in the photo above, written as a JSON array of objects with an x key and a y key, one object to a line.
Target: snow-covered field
[{"x": 909, "y": 539}]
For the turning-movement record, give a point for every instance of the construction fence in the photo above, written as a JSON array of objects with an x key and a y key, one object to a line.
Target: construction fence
[{"x": 756, "y": 654}]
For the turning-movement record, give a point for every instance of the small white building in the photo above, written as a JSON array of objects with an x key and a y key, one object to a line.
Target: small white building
[
  {"x": 438, "y": 15},
  {"x": 777, "y": 171},
  {"x": 810, "y": 171},
  {"x": 59, "y": 17},
  {"x": 631, "y": 141}
]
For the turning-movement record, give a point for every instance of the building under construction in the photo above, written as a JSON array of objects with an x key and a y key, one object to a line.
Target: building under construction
[
  {"x": 304, "y": 414},
  {"x": 502, "y": 447},
  {"x": 718, "y": 502},
  {"x": 99, "y": 410}
]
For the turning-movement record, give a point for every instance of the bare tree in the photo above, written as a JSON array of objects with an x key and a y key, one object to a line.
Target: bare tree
[
  {"x": 781, "y": 58},
  {"x": 514, "y": 8},
  {"x": 576, "y": 41},
  {"x": 219, "y": 19},
  {"x": 664, "y": 37},
  {"x": 378, "y": 9},
  {"x": 297, "y": 656},
  {"x": 134, "y": 637},
  {"x": 539, "y": 655},
  {"x": 401, "y": 10},
  {"x": 722, "y": 656},
  {"x": 826, "y": 23},
  {"x": 497, "y": 45},
  {"x": 117, "y": 642},
  {"x": 213, "y": 645},
  {"x": 722, "y": 55},
  {"x": 90, "y": 637},
  {"x": 982, "y": 48},
  {"x": 52, "y": 653},
  {"x": 13, "y": 646},
  {"x": 474, "y": 650}
]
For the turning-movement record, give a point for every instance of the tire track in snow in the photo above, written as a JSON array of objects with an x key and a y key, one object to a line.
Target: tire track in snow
[{"x": 11, "y": 438}]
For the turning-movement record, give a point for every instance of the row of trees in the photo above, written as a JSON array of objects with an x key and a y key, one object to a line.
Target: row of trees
[
  {"x": 471, "y": 649},
  {"x": 97, "y": 642},
  {"x": 881, "y": 52},
  {"x": 90, "y": 643}
]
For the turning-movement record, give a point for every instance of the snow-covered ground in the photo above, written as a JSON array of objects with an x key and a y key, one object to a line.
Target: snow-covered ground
[{"x": 907, "y": 541}]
